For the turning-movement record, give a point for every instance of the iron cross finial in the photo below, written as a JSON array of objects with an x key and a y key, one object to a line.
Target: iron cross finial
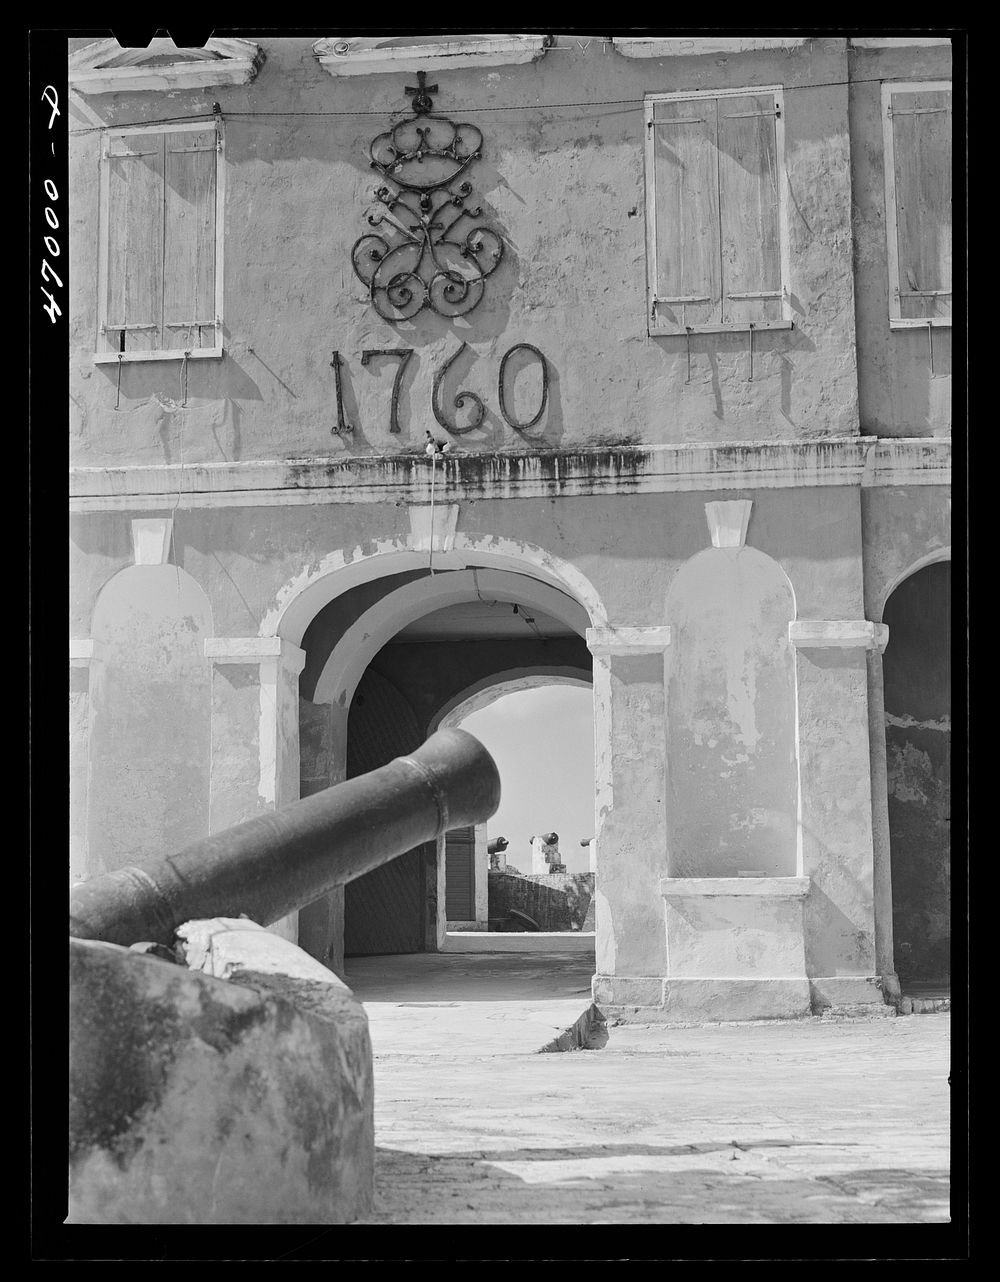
[{"x": 422, "y": 103}]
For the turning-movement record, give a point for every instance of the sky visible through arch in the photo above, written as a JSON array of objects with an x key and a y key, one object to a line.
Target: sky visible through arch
[{"x": 543, "y": 743}]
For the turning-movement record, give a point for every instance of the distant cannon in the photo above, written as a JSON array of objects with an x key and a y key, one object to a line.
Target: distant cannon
[{"x": 283, "y": 860}]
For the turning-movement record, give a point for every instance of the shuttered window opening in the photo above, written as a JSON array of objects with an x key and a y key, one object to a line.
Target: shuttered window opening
[
  {"x": 161, "y": 252},
  {"x": 459, "y": 873},
  {"x": 716, "y": 212},
  {"x": 917, "y": 136}
]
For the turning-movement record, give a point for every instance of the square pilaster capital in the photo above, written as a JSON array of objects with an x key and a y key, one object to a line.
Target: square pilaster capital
[
  {"x": 615, "y": 640},
  {"x": 255, "y": 650},
  {"x": 840, "y": 634},
  {"x": 82, "y": 651}
]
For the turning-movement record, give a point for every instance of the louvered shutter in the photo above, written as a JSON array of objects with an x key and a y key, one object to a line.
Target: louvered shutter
[
  {"x": 189, "y": 240},
  {"x": 749, "y": 209},
  {"x": 161, "y": 264},
  {"x": 715, "y": 220},
  {"x": 460, "y": 854},
  {"x": 918, "y": 216},
  {"x": 134, "y": 242},
  {"x": 687, "y": 289}
]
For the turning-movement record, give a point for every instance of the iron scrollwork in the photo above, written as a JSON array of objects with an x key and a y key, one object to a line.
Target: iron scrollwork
[{"x": 425, "y": 254}]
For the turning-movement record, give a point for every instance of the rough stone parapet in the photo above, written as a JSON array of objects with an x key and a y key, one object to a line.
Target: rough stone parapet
[{"x": 199, "y": 1101}]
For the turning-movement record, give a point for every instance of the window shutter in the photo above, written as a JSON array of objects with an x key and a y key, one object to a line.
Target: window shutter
[
  {"x": 189, "y": 240},
  {"x": 460, "y": 855},
  {"x": 749, "y": 209},
  {"x": 921, "y": 161},
  {"x": 687, "y": 285},
  {"x": 134, "y": 241}
]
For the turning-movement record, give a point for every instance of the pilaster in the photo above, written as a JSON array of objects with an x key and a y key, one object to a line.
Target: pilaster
[
  {"x": 630, "y": 827},
  {"x": 255, "y": 741},
  {"x": 835, "y": 807}
]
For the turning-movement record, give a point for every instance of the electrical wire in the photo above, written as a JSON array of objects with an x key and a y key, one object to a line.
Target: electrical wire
[{"x": 631, "y": 104}]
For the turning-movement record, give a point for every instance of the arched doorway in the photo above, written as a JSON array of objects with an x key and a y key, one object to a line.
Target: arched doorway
[
  {"x": 385, "y": 658},
  {"x": 917, "y": 682},
  {"x": 533, "y": 858}
]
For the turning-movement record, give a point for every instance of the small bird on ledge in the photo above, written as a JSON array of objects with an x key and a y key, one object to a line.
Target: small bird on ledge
[{"x": 436, "y": 447}]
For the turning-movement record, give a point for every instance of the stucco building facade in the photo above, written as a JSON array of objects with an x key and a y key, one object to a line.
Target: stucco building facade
[{"x": 681, "y": 312}]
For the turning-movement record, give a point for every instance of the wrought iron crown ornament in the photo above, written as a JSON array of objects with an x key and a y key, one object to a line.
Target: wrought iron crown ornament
[{"x": 425, "y": 253}]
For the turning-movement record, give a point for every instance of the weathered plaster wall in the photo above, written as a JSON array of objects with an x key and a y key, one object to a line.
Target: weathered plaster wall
[
  {"x": 733, "y": 785},
  {"x": 917, "y": 674},
  {"x": 197, "y": 1101},
  {"x": 628, "y": 546},
  {"x": 150, "y": 717},
  {"x": 563, "y": 184},
  {"x": 903, "y": 528},
  {"x": 898, "y": 393}
]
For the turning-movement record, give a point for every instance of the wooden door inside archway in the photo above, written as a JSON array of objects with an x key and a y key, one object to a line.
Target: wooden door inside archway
[{"x": 391, "y": 909}]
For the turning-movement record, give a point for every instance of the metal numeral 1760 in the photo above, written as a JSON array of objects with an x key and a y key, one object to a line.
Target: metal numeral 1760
[{"x": 403, "y": 356}]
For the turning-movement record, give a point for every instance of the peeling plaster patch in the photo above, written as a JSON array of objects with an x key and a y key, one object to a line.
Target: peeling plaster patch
[
  {"x": 911, "y": 774},
  {"x": 907, "y": 722}
]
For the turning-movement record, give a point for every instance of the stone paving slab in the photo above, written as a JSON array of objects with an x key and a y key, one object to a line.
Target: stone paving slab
[
  {"x": 796, "y": 1122},
  {"x": 809, "y": 1121}
]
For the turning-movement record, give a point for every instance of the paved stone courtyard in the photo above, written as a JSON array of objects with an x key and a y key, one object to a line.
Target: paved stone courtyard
[{"x": 812, "y": 1122}]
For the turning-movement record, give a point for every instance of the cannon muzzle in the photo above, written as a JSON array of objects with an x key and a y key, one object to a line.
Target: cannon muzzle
[{"x": 283, "y": 860}]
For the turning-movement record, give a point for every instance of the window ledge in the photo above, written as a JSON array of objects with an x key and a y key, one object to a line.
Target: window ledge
[
  {"x": 230, "y": 62},
  {"x": 692, "y": 47},
  {"x": 736, "y": 327},
  {"x": 935, "y": 322},
  {"x": 362, "y": 56},
  {"x": 126, "y": 358},
  {"x": 896, "y": 42}
]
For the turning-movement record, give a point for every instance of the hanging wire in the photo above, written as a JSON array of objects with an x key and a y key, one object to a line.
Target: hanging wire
[
  {"x": 434, "y": 459},
  {"x": 750, "y": 379},
  {"x": 687, "y": 334},
  {"x": 930, "y": 345},
  {"x": 118, "y": 395},
  {"x": 184, "y": 380},
  {"x": 630, "y": 104}
]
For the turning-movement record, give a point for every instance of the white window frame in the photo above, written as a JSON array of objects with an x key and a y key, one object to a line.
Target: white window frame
[
  {"x": 890, "y": 87},
  {"x": 726, "y": 327},
  {"x": 161, "y": 354}
]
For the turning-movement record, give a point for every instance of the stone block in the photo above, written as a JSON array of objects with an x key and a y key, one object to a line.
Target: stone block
[{"x": 199, "y": 1101}]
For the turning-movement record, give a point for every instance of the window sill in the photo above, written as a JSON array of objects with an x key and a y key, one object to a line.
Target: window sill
[
  {"x": 127, "y": 358},
  {"x": 235, "y": 62},
  {"x": 367, "y": 56},
  {"x": 935, "y": 322},
  {"x": 737, "y": 327}
]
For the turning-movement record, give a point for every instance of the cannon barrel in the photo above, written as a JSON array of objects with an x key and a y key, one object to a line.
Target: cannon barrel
[{"x": 283, "y": 860}]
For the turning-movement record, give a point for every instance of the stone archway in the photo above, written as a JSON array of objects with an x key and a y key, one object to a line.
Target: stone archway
[
  {"x": 471, "y": 569},
  {"x": 916, "y": 670}
]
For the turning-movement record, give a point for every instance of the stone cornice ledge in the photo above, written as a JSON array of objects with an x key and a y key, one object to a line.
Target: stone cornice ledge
[
  {"x": 603, "y": 470},
  {"x": 700, "y": 887},
  {"x": 837, "y": 634},
  {"x": 628, "y": 640}
]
